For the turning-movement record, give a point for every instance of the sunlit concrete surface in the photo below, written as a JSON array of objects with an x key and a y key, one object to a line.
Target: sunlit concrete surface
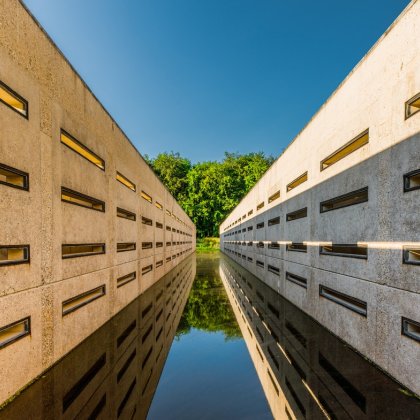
[
  {"x": 86, "y": 226},
  {"x": 333, "y": 224}
]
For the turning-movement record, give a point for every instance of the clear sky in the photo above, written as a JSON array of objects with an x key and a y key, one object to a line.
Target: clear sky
[{"x": 201, "y": 77}]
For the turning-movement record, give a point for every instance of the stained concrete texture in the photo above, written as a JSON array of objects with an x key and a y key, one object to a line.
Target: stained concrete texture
[
  {"x": 42, "y": 284},
  {"x": 358, "y": 255}
]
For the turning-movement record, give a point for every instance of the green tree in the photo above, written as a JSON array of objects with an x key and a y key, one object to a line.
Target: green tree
[
  {"x": 172, "y": 169},
  {"x": 208, "y": 191}
]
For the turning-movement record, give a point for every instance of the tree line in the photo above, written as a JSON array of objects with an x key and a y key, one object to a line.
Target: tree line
[{"x": 209, "y": 191}]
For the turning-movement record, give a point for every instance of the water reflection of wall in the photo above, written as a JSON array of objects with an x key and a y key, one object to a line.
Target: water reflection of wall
[
  {"x": 305, "y": 371},
  {"x": 115, "y": 372}
]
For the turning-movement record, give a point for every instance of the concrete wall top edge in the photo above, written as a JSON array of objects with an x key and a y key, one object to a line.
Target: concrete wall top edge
[
  {"x": 372, "y": 97},
  {"x": 85, "y": 85}
]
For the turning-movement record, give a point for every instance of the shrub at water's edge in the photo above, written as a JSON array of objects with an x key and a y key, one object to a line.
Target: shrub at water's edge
[{"x": 208, "y": 245}]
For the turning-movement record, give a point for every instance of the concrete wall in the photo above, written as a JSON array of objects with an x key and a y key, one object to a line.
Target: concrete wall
[
  {"x": 57, "y": 98},
  {"x": 305, "y": 371},
  {"x": 373, "y": 98},
  {"x": 134, "y": 346}
]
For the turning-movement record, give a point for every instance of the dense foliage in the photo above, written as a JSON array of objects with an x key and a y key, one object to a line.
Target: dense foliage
[
  {"x": 208, "y": 191},
  {"x": 208, "y": 308}
]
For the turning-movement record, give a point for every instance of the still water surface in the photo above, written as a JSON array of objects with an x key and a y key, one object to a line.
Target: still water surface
[{"x": 211, "y": 341}]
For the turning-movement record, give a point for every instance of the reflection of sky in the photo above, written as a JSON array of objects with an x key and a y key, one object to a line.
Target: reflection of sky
[{"x": 206, "y": 377}]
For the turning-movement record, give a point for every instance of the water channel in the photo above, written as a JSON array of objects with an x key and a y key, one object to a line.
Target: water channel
[{"x": 211, "y": 341}]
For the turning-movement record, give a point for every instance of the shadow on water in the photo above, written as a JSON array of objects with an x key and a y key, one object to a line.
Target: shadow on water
[{"x": 211, "y": 341}]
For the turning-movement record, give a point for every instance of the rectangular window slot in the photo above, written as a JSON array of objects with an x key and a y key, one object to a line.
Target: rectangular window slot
[
  {"x": 168, "y": 259},
  {"x": 147, "y": 310},
  {"x": 296, "y": 398},
  {"x": 250, "y": 243},
  {"x": 296, "y": 333},
  {"x": 99, "y": 408},
  {"x": 125, "y": 214},
  {"x": 412, "y": 106},
  {"x": 300, "y": 281},
  {"x": 159, "y": 244},
  {"x": 345, "y": 200},
  {"x": 273, "y": 245},
  {"x": 250, "y": 228},
  {"x": 244, "y": 230},
  {"x": 347, "y": 387},
  {"x": 296, "y": 182},
  {"x": 159, "y": 263},
  {"x": 274, "y": 270},
  {"x": 82, "y": 200},
  {"x": 76, "y": 302},
  {"x": 15, "y": 331},
  {"x": 173, "y": 229},
  {"x": 409, "y": 328},
  {"x": 259, "y": 352},
  {"x": 159, "y": 334},
  {"x": 274, "y": 221},
  {"x": 159, "y": 314},
  {"x": 146, "y": 196},
  {"x": 168, "y": 243},
  {"x": 14, "y": 254},
  {"x": 260, "y": 245},
  {"x": 411, "y": 180},
  {"x": 82, "y": 250},
  {"x": 126, "y": 398},
  {"x": 126, "y": 246},
  {"x": 83, "y": 382},
  {"x": 250, "y": 212},
  {"x": 260, "y": 225},
  {"x": 146, "y": 269},
  {"x": 126, "y": 333},
  {"x": 260, "y": 206},
  {"x": 146, "y": 334},
  {"x": 159, "y": 225},
  {"x": 298, "y": 214},
  {"x": 121, "y": 281},
  {"x": 13, "y": 177},
  {"x": 146, "y": 245},
  {"x": 81, "y": 150},
  {"x": 260, "y": 264},
  {"x": 125, "y": 181},
  {"x": 158, "y": 205},
  {"x": 168, "y": 228},
  {"x": 358, "y": 142},
  {"x": 345, "y": 250},
  {"x": 244, "y": 217},
  {"x": 297, "y": 247},
  {"x": 13, "y": 100},
  {"x": 273, "y": 197},
  {"x": 411, "y": 255},
  {"x": 146, "y": 358},
  {"x": 146, "y": 221},
  {"x": 126, "y": 365},
  {"x": 273, "y": 310},
  {"x": 350, "y": 302},
  {"x": 250, "y": 259}
]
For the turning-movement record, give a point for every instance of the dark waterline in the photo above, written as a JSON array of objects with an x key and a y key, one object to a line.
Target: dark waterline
[{"x": 213, "y": 345}]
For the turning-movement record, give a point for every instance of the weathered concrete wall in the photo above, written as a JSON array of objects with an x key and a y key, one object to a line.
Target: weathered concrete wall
[
  {"x": 373, "y": 98},
  {"x": 305, "y": 371},
  {"x": 32, "y": 66},
  {"x": 133, "y": 348}
]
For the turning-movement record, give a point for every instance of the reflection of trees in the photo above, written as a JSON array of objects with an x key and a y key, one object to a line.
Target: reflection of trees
[{"x": 208, "y": 308}]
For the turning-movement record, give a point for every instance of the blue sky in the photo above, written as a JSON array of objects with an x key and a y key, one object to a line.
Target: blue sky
[{"x": 201, "y": 77}]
